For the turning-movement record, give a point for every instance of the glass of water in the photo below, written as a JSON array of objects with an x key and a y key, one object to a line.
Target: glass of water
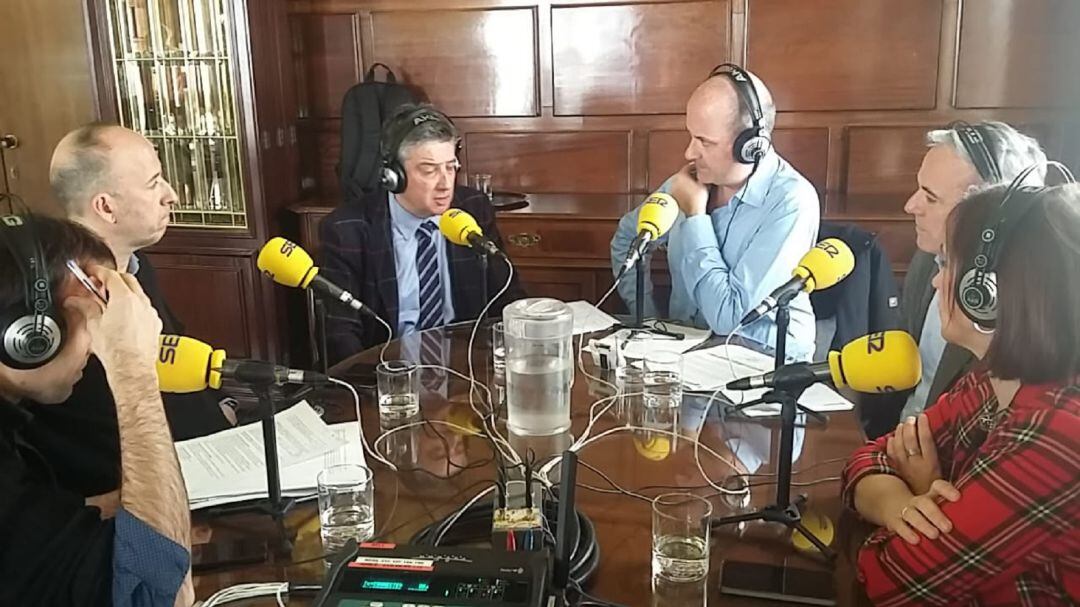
[
  {"x": 482, "y": 182},
  {"x": 630, "y": 382},
  {"x": 346, "y": 505},
  {"x": 498, "y": 347},
  {"x": 660, "y": 401},
  {"x": 663, "y": 379},
  {"x": 680, "y": 537},
  {"x": 399, "y": 389}
]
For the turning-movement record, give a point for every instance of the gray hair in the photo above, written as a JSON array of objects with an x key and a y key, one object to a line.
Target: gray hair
[
  {"x": 82, "y": 169},
  {"x": 1012, "y": 150},
  {"x": 439, "y": 129}
]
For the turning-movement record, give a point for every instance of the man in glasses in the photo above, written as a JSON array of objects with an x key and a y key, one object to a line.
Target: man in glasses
[{"x": 387, "y": 249}]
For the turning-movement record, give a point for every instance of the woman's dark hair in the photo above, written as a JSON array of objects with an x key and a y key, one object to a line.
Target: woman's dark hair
[
  {"x": 1037, "y": 338},
  {"x": 60, "y": 240}
]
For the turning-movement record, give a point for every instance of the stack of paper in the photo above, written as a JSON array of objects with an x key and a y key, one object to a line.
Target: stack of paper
[
  {"x": 589, "y": 318},
  {"x": 229, "y": 466},
  {"x": 713, "y": 368}
]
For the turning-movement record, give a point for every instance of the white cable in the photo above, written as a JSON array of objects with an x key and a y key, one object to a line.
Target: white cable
[
  {"x": 479, "y": 320},
  {"x": 457, "y": 515},
  {"x": 360, "y": 423},
  {"x": 543, "y": 473},
  {"x": 385, "y": 435},
  {"x": 827, "y": 479},
  {"x": 503, "y": 445},
  {"x": 594, "y": 416},
  {"x": 488, "y": 421},
  {"x": 701, "y": 427},
  {"x": 389, "y": 337},
  {"x": 504, "y": 448},
  {"x": 244, "y": 592},
  {"x": 581, "y": 343},
  {"x": 386, "y": 325},
  {"x": 731, "y": 364}
]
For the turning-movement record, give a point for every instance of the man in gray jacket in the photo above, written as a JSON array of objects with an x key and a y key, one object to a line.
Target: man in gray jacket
[{"x": 961, "y": 159}]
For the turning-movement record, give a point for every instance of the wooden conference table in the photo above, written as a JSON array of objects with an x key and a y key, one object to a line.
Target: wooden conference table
[{"x": 440, "y": 469}]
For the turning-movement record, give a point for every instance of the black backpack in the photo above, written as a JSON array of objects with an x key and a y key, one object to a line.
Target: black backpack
[{"x": 366, "y": 107}]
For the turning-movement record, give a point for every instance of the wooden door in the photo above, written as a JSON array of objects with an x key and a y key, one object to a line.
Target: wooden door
[{"x": 46, "y": 89}]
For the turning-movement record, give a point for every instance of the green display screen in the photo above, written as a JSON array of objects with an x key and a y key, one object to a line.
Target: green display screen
[{"x": 393, "y": 585}]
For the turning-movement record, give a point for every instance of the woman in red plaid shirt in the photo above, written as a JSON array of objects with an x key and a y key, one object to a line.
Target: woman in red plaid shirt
[{"x": 979, "y": 498}]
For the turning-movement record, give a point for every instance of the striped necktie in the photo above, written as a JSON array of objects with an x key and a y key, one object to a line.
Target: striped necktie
[{"x": 427, "y": 268}]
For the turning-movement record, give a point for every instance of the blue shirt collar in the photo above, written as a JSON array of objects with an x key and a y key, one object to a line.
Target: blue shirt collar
[
  {"x": 758, "y": 185},
  {"x": 133, "y": 265},
  {"x": 404, "y": 222}
]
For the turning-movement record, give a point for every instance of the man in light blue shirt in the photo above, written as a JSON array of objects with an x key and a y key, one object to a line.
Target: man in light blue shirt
[{"x": 746, "y": 218}]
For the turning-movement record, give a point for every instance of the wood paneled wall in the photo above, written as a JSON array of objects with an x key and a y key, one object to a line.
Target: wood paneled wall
[{"x": 587, "y": 96}]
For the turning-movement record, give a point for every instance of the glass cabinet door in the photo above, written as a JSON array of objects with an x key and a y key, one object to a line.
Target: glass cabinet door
[{"x": 175, "y": 85}]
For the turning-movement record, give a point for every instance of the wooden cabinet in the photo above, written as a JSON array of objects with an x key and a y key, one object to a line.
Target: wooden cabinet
[
  {"x": 214, "y": 297},
  {"x": 210, "y": 84},
  {"x": 566, "y": 284}
]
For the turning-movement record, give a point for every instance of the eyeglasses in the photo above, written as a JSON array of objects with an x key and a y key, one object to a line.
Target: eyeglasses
[{"x": 429, "y": 170}]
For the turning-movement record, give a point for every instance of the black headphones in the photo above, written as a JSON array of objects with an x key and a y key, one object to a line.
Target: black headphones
[
  {"x": 977, "y": 145},
  {"x": 31, "y": 331},
  {"x": 393, "y": 176},
  {"x": 752, "y": 143},
  {"x": 976, "y": 291}
]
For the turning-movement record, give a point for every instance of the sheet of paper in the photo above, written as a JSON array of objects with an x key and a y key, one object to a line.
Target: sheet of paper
[
  {"x": 214, "y": 465},
  {"x": 589, "y": 318},
  {"x": 713, "y": 368},
  {"x": 298, "y": 480}
]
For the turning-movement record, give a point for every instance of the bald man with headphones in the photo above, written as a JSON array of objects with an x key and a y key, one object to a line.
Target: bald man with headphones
[{"x": 746, "y": 217}]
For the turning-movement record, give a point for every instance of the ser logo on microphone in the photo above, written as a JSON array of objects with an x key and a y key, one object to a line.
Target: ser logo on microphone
[
  {"x": 830, "y": 249},
  {"x": 875, "y": 342},
  {"x": 287, "y": 247},
  {"x": 167, "y": 352}
]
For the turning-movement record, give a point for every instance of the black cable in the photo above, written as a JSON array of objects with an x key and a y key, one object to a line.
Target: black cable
[{"x": 474, "y": 526}]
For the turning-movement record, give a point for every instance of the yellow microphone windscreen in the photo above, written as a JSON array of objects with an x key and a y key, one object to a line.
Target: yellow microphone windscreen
[
  {"x": 887, "y": 361},
  {"x": 187, "y": 365},
  {"x": 286, "y": 263},
  {"x": 456, "y": 225},
  {"x": 657, "y": 214},
  {"x": 829, "y": 262}
]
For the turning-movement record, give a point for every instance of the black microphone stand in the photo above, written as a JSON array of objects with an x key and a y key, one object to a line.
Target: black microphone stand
[
  {"x": 274, "y": 504},
  {"x": 320, "y": 349},
  {"x": 483, "y": 276},
  {"x": 277, "y": 505},
  {"x": 637, "y": 323},
  {"x": 783, "y": 510}
]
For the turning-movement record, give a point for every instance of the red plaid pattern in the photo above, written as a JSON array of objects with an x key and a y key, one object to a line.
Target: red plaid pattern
[{"x": 1015, "y": 539}]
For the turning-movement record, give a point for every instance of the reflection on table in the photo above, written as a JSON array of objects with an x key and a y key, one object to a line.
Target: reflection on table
[{"x": 442, "y": 465}]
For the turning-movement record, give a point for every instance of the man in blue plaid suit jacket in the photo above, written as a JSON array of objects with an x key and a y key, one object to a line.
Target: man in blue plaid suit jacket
[{"x": 385, "y": 247}]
